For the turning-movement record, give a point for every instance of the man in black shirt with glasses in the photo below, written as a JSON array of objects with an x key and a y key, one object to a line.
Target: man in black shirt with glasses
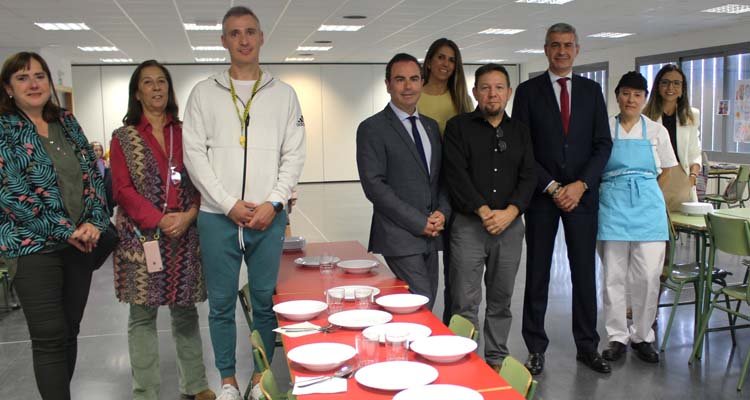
[{"x": 489, "y": 167}]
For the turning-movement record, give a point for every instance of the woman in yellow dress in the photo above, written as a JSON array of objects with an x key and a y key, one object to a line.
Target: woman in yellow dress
[{"x": 444, "y": 96}]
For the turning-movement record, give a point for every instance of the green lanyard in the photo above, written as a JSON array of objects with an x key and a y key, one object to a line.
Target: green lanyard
[{"x": 245, "y": 115}]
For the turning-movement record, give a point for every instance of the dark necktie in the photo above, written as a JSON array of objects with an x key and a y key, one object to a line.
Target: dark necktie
[
  {"x": 564, "y": 104},
  {"x": 418, "y": 142}
]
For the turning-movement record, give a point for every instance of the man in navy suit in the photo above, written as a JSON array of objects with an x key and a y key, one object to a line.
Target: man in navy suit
[
  {"x": 398, "y": 157},
  {"x": 567, "y": 117}
]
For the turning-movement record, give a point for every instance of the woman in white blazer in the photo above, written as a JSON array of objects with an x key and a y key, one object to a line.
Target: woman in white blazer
[{"x": 669, "y": 106}]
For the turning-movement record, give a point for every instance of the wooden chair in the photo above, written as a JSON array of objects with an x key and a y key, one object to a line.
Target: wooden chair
[
  {"x": 732, "y": 236},
  {"x": 518, "y": 377}
]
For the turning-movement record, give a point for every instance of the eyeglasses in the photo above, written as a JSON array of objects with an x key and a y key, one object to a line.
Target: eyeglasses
[
  {"x": 667, "y": 82},
  {"x": 501, "y": 144}
]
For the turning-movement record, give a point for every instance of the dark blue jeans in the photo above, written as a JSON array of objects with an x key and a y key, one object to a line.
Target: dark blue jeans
[{"x": 53, "y": 291}]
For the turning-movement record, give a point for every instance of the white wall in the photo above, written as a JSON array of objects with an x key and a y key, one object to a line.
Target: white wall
[
  {"x": 334, "y": 98},
  {"x": 622, "y": 58}
]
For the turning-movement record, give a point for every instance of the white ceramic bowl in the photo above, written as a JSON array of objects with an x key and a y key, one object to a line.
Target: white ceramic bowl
[
  {"x": 300, "y": 310},
  {"x": 696, "y": 208},
  {"x": 321, "y": 356},
  {"x": 443, "y": 348},
  {"x": 402, "y": 303},
  {"x": 358, "y": 266}
]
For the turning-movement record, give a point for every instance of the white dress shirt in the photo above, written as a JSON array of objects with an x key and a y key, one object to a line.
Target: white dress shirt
[
  {"x": 404, "y": 118},
  {"x": 556, "y": 87}
]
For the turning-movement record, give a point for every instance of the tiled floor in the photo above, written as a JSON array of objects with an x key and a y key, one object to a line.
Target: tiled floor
[{"x": 340, "y": 212}]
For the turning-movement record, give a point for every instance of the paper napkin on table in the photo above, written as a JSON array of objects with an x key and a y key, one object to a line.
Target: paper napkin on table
[
  {"x": 335, "y": 385},
  {"x": 297, "y": 333}
]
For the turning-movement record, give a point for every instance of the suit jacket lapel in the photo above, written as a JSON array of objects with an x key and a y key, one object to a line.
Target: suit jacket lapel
[{"x": 405, "y": 136}]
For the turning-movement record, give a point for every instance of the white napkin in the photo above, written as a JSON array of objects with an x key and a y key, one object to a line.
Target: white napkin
[
  {"x": 335, "y": 385},
  {"x": 295, "y": 333}
]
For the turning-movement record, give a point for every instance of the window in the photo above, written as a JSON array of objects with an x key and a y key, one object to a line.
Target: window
[
  {"x": 705, "y": 78},
  {"x": 596, "y": 72},
  {"x": 712, "y": 75},
  {"x": 738, "y": 68}
]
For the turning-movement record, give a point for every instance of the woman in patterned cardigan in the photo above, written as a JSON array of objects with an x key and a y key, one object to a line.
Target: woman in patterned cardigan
[
  {"x": 158, "y": 259},
  {"x": 52, "y": 209}
]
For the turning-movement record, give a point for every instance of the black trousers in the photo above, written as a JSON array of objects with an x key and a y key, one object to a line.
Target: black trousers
[
  {"x": 580, "y": 237},
  {"x": 53, "y": 290}
]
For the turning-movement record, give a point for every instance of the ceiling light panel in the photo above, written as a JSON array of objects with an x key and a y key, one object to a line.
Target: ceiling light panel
[
  {"x": 549, "y": 2},
  {"x": 530, "y": 51},
  {"x": 500, "y": 31},
  {"x": 299, "y": 59},
  {"x": 202, "y": 27},
  {"x": 340, "y": 28},
  {"x": 210, "y": 59},
  {"x": 491, "y": 60},
  {"x": 729, "y": 9},
  {"x": 117, "y": 60},
  {"x": 98, "y": 48},
  {"x": 314, "y": 48},
  {"x": 610, "y": 35},
  {"x": 62, "y": 26},
  {"x": 208, "y": 48}
]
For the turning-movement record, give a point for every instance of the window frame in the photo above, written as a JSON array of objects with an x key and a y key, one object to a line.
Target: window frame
[{"x": 678, "y": 58}]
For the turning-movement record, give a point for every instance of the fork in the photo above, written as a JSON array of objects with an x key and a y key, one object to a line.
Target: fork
[{"x": 325, "y": 329}]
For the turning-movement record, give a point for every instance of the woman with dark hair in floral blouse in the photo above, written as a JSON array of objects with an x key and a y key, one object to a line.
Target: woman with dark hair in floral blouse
[{"x": 52, "y": 209}]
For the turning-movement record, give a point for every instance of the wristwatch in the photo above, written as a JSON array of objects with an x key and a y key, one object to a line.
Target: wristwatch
[{"x": 277, "y": 206}]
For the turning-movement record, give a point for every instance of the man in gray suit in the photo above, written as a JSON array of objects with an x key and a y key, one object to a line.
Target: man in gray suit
[{"x": 398, "y": 158}]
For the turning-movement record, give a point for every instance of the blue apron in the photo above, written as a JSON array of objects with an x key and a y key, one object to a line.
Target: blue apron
[{"x": 631, "y": 205}]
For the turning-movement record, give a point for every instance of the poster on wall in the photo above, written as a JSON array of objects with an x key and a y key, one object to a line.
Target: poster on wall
[
  {"x": 742, "y": 112},
  {"x": 723, "y": 107}
]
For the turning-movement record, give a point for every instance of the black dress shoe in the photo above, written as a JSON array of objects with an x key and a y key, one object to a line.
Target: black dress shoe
[
  {"x": 535, "y": 363},
  {"x": 614, "y": 352},
  {"x": 645, "y": 351},
  {"x": 594, "y": 361}
]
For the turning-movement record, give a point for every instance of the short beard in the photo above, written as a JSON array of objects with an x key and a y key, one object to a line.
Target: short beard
[{"x": 491, "y": 113}]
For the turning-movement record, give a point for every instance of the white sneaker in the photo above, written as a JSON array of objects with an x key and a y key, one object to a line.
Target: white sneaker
[
  {"x": 256, "y": 393},
  {"x": 229, "y": 392}
]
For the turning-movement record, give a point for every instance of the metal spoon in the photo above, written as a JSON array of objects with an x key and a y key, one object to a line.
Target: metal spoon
[{"x": 343, "y": 372}]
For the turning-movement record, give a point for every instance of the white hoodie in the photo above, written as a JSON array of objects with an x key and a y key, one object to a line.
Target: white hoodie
[{"x": 213, "y": 155}]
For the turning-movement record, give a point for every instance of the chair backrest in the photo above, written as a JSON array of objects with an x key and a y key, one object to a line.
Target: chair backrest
[
  {"x": 518, "y": 377},
  {"x": 743, "y": 176},
  {"x": 259, "y": 352},
  {"x": 730, "y": 235},
  {"x": 463, "y": 327},
  {"x": 268, "y": 386},
  {"x": 244, "y": 295}
]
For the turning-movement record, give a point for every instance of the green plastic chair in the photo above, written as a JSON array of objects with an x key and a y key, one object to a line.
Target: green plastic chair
[
  {"x": 270, "y": 389},
  {"x": 737, "y": 197},
  {"x": 518, "y": 377},
  {"x": 732, "y": 236},
  {"x": 461, "y": 326},
  {"x": 680, "y": 275},
  {"x": 259, "y": 357},
  {"x": 247, "y": 309}
]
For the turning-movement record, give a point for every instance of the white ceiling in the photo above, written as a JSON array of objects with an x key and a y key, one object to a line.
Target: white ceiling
[{"x": 144, "y": 29}]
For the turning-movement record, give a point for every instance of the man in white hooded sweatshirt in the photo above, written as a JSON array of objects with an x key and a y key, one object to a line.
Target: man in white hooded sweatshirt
[{"x": 244, "y": 144}]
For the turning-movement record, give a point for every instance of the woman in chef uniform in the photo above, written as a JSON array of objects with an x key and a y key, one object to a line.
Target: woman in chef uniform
[{"x": 633, "y": 221}]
